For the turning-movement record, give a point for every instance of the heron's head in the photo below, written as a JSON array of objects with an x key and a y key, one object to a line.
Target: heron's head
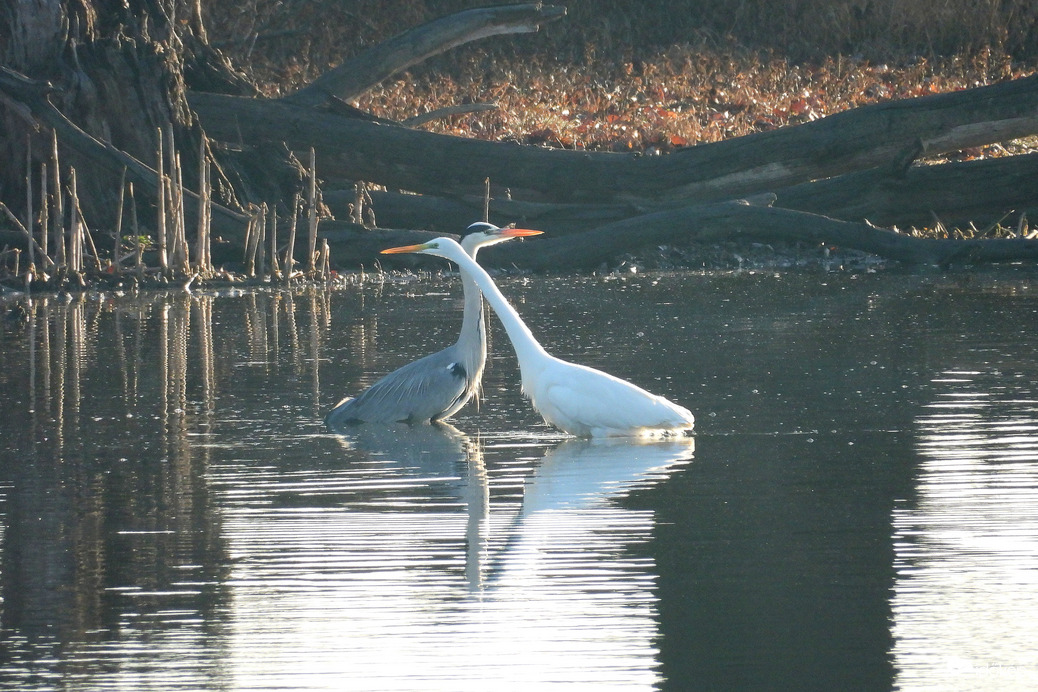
[{"x": 481, "y": 234}]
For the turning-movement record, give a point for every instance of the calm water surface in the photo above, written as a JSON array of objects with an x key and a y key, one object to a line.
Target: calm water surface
[{"x": 858, "y": 508}]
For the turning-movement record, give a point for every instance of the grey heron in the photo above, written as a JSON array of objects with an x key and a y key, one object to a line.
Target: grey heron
[
  {"x": 437, "y": 386},
  {"x": 575, "y": 398}
]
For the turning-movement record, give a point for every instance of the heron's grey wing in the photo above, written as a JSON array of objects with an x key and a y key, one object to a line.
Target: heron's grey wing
[{"x": 416, "y": 393}]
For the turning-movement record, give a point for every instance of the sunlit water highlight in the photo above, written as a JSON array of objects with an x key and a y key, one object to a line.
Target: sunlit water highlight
[{"x": 967, "y": 553}]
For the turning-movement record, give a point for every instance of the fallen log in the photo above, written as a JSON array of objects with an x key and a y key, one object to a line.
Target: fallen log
[
  {"x": 980, "y": 192},
  {"x": 449, "y": 214},
  {"x": 956, "y": 195},
  {"x": 721, "y": 221},
  {"x": 400, "y": 158}
]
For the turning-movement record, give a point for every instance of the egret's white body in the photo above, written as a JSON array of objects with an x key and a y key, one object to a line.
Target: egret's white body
[
  {"x": 575, "y": 398},
  {"x": 435, "y": 387}
]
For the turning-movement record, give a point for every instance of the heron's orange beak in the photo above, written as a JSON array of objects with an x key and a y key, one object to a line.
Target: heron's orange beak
[
  {"x": 519, "y": 232},
  {"x": 404, "y": 248}
]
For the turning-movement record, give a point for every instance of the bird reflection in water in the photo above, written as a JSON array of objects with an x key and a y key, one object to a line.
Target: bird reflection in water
[
  {"x": 577, "y": 475},
  {"x": 442, "y": 558},
  {"x": 443, "y": 459}
]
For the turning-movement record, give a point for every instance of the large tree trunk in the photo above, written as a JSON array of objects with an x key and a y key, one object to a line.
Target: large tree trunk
[
  {"x": 117, "y": 73},
  {"x": 108, "y": 78}
]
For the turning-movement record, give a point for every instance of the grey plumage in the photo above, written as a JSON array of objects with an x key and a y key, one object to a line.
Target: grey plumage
[{"x": 437, "y": 386}]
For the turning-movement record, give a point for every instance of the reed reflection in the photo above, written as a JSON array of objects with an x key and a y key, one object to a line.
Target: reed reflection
[
  {"x": 966, "y": 556},
  {"x": 407, "y": 567},
  {"x": 109, "y": 532}
]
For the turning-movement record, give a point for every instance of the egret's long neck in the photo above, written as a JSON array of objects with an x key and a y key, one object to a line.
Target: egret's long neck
[{"x": 526, "y": 347}]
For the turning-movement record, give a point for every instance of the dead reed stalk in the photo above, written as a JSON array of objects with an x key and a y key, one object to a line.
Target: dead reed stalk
[
  {"x": 160, "y": 228},
  {"x": 273, "y": 243},
  {"x": 290, "y": 260},
  {"x": 118, "y": 243},
  {"x": 29, "y": 224},
  {"x": 59, "y": 206},
  {"x": 312, "y": 204}
]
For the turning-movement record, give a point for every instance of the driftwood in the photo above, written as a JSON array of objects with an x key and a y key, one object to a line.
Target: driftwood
[
  {"x": 705, "y": 223},
  {"x": 715, "y": 222}
]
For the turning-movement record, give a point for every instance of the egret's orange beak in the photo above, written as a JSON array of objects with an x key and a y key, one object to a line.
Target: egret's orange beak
[
  {"x": 404, "y": 248},
  {"x": 519, "y": 232}
]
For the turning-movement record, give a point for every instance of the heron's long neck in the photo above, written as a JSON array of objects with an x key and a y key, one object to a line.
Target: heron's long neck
[
  {"x": 526, "y": 347},
  {"x": 473, "y": 325}
]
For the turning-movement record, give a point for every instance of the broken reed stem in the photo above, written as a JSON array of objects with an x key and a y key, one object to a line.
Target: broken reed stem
[
  {"x": 208, "y": 246},
  {"x": 261, "y": 237},
  {"x": 85, "y": 237},
  {"x": 486, "y": 200},
  {"x": 180, "y": 257},
  {"x": 249, "y": 230},
  {"x": 273, "y": 243},
  {"x": 29, "y": 224},
  {"x": 312, "y": 203},
  {"x": 75, "y": 248},
  {"x": 203, "y": 252},
  {"x": 326, "y": 253},
  {"x": 177, "y": 228},
  {"x": 138, "y": 242},
  {"x": 44, "y": 212},
  {"x": 290, "y": 260},
  {"x": 117, "y": 247},
  {"x": 59, "y": 206},
  {"x": 160, "y": 229},
  {"x": 257, "y": 221}
]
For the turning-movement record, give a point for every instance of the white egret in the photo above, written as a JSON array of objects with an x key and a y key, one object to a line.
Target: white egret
[
  {"x": 437, "y": 386},
  {"x": 580, "y": 400}
]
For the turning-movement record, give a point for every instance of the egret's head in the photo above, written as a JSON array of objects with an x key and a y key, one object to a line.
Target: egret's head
[
  {"x": 481, "y": 234},
  {"x": 441, "y": 247}
]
